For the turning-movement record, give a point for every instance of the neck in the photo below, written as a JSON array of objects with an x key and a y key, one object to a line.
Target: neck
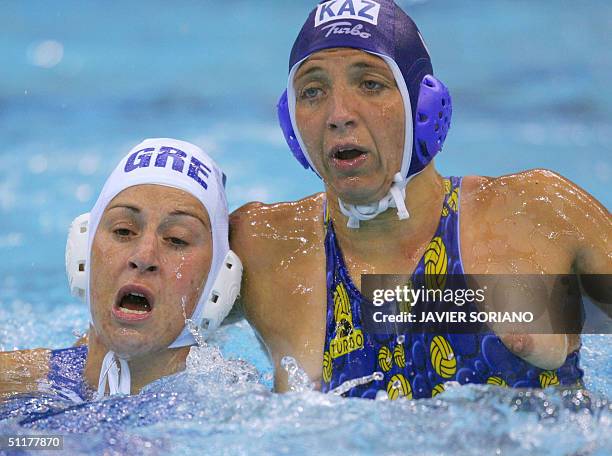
[
  {"x": 143, "y": 369},
  {"x": 424, "y": 196}
]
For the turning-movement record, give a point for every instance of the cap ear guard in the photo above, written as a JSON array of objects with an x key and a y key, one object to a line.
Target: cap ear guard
[
  {"x": 224, "y": 292},
  {"x": 76, "y": 256},
  {"x": 284, "y": 119},
  {"x": 433, "y": 118}
]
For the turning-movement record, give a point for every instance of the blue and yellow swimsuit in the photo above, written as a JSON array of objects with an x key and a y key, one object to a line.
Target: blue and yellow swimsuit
[{"x": 417, "y": 364}]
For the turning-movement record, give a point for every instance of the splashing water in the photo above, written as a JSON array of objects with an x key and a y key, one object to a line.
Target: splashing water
[
  {"x": 191, "y": 326},
  {"x": 382, "y": 395},
  {"x": 209, "y": 361},
  {"x": 206, "y": 359},
  {"x": 298, "y": 378},
  {"x": 209, "y": 406},
  {"x": 466, "y": 420}
]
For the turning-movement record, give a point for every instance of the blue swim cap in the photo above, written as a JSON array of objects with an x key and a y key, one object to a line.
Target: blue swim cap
[{"x": 381, "y": 28}]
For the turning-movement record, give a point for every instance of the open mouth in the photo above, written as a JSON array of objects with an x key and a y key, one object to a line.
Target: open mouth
[
  {"x": 347, "y": 153},
  {"x": 348, "y": 158},
  {"x": 133, "y": 303}
]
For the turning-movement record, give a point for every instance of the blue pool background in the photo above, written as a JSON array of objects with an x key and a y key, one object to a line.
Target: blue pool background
[{"x": 81, "y": 82}]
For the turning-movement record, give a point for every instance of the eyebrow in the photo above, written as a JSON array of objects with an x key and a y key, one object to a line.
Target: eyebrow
[
  {"x": 360, "y": 65},
  {"x": 180, "y": 213},
  {"x": 309, "y": 72},
  {"x": 122, "y": 206},
  {"x": 376, "y": 66},
  {"x": 176, "y": 213}
]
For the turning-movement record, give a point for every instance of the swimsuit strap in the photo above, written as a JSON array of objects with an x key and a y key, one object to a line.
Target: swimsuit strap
[{"x": 326, "y": 216}]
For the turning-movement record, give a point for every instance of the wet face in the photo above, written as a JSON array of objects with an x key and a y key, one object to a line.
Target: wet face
[
  {"x": 150, "y": 258},
  {"x": 350, "y": 115}
]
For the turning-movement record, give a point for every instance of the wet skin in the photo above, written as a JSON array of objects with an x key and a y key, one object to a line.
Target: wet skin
[
  {"x": 153, "y": 239},
  {"x": 530, "y": 222}
]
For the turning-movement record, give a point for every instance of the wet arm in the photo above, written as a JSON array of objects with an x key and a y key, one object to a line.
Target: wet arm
[
  {"x": 582, "y": 228},
  {"x": 248, "y": 246},
  {"x": 20, "y": 371},
  {"x": 588, "y": 226}
]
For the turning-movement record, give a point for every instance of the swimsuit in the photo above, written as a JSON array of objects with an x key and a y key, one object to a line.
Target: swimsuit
[
  {"x": 64, "y": 387},
  {"x": 66, "y": 372},
  {"x": 417, "y": 364}
]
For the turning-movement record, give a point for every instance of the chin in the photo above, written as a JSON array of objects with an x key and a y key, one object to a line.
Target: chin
[
  {"x": 133, "y": 352},
  {"x": 360, "y": 189},
  {"x": 132, "y": 344},
  {"x": 361, "y": 194}
]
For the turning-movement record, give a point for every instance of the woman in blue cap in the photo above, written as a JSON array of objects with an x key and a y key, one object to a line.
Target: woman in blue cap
[{"x": 363, "y": 110}]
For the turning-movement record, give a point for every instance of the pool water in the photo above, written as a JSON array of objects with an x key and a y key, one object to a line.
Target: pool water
[
  {"x": 202, "y": 412},
  {"x": 81, "y": 84}
]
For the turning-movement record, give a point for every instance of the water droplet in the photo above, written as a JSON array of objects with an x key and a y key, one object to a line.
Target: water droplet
[
  {"x": 297, "y": 377},
  {"x": 183, "y": 306}
]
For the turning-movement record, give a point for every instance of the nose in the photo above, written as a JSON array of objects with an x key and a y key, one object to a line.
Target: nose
[
  {"x": 342, "y": 114},
  {"x": 144, "y": 257}
]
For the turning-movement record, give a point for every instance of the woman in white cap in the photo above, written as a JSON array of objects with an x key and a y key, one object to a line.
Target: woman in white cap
[{"x": 153, "y": 263}]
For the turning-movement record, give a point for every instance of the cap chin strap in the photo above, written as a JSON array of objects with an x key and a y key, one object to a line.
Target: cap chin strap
[
  {"x": 118, "y": 379},
  {"x": 394, "y": 198}
]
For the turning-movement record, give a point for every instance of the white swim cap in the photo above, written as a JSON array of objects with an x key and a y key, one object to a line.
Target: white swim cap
[
  {"x": 184, "y": 166},
  {"x": 176, "y": 164}
]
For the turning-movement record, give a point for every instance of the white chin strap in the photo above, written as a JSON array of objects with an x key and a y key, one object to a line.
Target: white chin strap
[
  {"x": 118, "y": 378},
  {"x": 395, "y": 198}
]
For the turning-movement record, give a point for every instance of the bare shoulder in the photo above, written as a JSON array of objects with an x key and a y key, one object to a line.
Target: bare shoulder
[
  {"x": 537, "y": 213},
  {"x": 256, "y": 228},
  {"x": 539, "y": 193}
]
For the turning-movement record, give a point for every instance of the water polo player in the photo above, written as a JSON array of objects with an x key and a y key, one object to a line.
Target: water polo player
[
  {"x": 152, "y": 252},
  {"x": 363, "y": 111}
]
